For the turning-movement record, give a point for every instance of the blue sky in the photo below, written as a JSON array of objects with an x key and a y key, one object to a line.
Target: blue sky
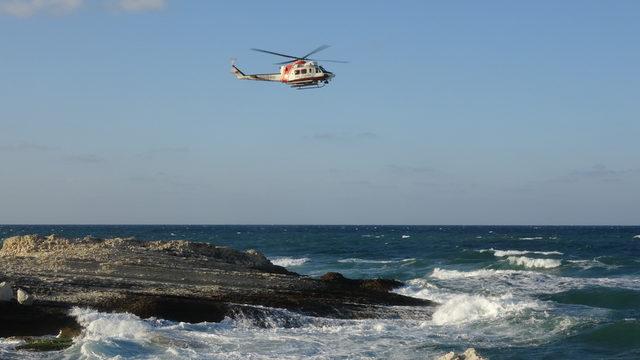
[{"x": 466, "y": 112}]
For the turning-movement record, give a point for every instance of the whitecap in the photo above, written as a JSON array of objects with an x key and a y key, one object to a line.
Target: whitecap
[
  {"x": 637, "y": 237},
  {"x": 588, "y": 264},
  {"x": 502, "y": 253},
  {"x": 533, "y": 262},
  {"x": 369, "y": 261},
  {"x": 406, "y": 236},
  {"x": 288, "y": 261},
  {"x": 531, "y": 238},
  {"x": 523, "y": 281},
  {"x": 465, "y": 308}
]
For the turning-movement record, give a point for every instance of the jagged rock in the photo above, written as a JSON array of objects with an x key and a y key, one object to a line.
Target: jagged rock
[
  {"x": 24, "y": 298},
  {"x": 6, "y": 292},
  {"x": 469, "y": 354}
]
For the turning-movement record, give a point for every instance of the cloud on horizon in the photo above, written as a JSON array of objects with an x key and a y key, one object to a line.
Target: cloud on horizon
[
  {"x": 28, "y": 8},
  {"x": 25, "y": 146},
  {"x": 140, "y": 5},
  {"x": 344, "y": 137},
  {"x": 409, "y": 169},
  {"x": 87, "y": 159}
]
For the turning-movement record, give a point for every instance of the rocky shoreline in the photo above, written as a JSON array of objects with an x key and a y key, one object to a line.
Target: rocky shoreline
[{"x": 174, "y": 280}]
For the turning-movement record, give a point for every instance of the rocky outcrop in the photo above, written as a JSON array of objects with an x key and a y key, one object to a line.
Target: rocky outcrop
[
  {"x": 6, "y": 292},
  {"x": 469, "y": 354},
  {"x": 371, "y": 284},
  {"x": 180, "y": 280},
  {"x": 24, "y": 298},
  {"x": 53, "y": 248}
]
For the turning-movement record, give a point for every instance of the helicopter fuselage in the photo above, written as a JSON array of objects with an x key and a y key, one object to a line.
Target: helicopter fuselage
[{"x": 297, "y": 74}]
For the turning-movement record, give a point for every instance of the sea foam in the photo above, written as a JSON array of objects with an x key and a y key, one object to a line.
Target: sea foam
[
  {"x": 288, "y": 261},
  {"x": 464, "y": 308},
  {"x": 369, "y": 261},
  {"x": 502, "y": 253},
  {"x": 533, "y": 262}
]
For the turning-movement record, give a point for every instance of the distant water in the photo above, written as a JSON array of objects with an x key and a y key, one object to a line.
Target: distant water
[{"x": 510, "y": 292}]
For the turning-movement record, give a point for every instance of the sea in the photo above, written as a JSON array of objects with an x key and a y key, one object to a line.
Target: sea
[{"x": 510, "y": 292}]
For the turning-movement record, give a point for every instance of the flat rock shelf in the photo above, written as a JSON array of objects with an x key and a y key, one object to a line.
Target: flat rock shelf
[{"x": 174, "y": 280}]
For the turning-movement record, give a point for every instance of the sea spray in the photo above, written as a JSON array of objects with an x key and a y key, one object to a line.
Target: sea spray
[
  {"x": 533, "y": 262},
  {"x": 288, "y": 261}
]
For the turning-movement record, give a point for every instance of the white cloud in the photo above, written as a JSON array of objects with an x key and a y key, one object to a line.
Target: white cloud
[
  {"x": 140, "y": 5},
  {"x": 26, "y": 8}
]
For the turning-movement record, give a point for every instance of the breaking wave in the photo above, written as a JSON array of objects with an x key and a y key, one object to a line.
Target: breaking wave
[
  {"x": 368, "y": 261},
  {"x": 464, "y": 308},
  {"x": 502, "y": 253},
  {"x": 526, "y": 281},
  {"x": 288, "y": 261},
  {"x": 533, "y": 262}
]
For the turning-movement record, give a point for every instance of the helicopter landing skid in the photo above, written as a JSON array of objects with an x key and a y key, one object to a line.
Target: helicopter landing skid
[{"x": 316, "y": 85}]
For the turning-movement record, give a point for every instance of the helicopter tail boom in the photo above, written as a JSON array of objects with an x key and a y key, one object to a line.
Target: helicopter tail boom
[{"x": 260, "y": 77}]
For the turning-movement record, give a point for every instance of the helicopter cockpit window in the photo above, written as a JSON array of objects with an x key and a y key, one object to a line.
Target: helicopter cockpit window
[
  {"x": 304, "y": 71},
  {"x": 297, "y": 72}
]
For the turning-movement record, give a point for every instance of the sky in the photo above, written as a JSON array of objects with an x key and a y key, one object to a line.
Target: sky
[{"x": 448, "y": 112}]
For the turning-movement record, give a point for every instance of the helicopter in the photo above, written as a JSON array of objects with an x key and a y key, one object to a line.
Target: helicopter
[{"x": 299, "y": 72}]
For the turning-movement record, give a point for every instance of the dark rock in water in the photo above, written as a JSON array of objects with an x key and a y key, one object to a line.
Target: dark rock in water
[
  {"x": 371, "y": 284},
  {"x": 47, "y": 344},
  {"x": 175, "y": 280},
  {"x": 166, "y": 307},
  {"x": 35, "y": 320}
]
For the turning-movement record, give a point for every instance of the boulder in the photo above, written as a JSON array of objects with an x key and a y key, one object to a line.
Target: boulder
[
  {"x": 449, "y": 356},
  {"x": 469, "y": 354},
  {"x": 24, "y": 298},
  {"x": 6, "y": 292},
  {"x": 382, "y": 285}
]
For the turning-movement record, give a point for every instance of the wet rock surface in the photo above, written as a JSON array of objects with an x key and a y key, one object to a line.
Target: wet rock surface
[{"x": 175, "y": 280}]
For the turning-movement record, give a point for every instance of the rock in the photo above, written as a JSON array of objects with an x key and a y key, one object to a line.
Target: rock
[
  {"x": 6, "y": 292},
  {"x": 449, "y": 356},
  {"x": 36, "y": 320},
  {"x": 46, "y": 344},
  {"x": 383, "y": 285},
  {"x": 24, "y": 298},
  {"x": 469, "y": 354},
  {"x": 184, "y": 281},
  {"x": 334, "y": 277}
]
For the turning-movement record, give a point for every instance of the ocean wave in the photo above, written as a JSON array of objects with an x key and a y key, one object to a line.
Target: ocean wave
[
  {"x": 369, "y": 261},
  {"x": 503, "y": 253},
  {"x": 531, "y": 238},
  {"x": 118, "y": 325},
  {"x": 533, "y": 262},
  {"x": 422, "y": 289},
  {"x": 465, "y": 308},
  {"x": 637, "y": 237},
  {"x": 288, "y": 261},
  {"x": 589, "y": 264},
  {"x": 444, "y": 274},
  {"x": 524, "y": 281}
]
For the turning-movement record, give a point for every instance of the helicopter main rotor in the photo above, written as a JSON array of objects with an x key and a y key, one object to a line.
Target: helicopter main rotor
[{"x": 296, "y": 58}]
